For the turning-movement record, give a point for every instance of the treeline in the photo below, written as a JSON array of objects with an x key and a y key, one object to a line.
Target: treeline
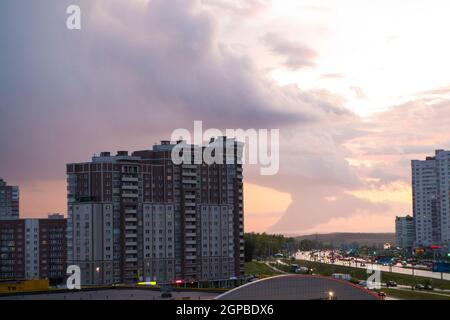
[{"x": 262, "y": 245}]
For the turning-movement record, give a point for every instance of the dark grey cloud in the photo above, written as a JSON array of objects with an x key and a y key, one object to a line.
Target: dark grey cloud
[
  {"x": 296, "y": 54},
  {"x": 132, "y": 74},
  {"x": 135, "y": 72}
]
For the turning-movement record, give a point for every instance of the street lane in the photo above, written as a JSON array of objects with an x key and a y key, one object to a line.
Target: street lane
[{"x": 395, "y": 269}]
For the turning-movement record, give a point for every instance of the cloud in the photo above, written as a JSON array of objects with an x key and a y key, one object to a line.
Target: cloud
[
  {"x": 139, "y": 69},
  {"x": 296, "y": 55},
  {"x": 433, "y": 92},
  {"x": 263, "y": 206},
  {"x": 239, "y": 8},
  {"x": 135, "y": 71},
  {"x": 333, "y": 76},
  {"x": 359, "y": 93}
]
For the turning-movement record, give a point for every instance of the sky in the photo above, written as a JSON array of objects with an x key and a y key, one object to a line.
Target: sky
[{"x": 356, "y": 88}]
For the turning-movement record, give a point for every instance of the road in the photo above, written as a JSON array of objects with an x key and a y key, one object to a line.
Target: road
[
  {"x": 274, "y": 268},
  {"x": 395, "y": 269}
]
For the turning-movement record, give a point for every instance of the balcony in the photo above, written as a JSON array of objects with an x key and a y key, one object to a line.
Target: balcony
[
  {"x": 130, "y": 259},
  {"x": 130, "y": 178},
  {"x": 130, "y": 187},
  {"x": 189, "y": 166},
  {"x": 130, "y": 195},
  {"x": 130, "y": 235}
]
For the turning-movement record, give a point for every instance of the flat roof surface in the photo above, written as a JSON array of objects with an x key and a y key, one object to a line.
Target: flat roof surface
[{"x": 114, "y": 294}]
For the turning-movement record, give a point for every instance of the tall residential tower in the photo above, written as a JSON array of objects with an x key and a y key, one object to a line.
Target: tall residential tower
[
  {"x": 431, "y": 196},
  {"x": 9, "y": 201},
  {"x": 142, "y": 217}
]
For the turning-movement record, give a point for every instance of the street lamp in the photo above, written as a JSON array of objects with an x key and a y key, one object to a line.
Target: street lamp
[
  {"x": 330, "y": 295},
  {"x": 97, "y": 270}
]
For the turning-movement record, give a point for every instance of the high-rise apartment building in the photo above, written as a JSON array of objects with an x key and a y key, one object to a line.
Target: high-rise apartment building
[
  {"x": 143, "y": 217},
  {"x": 405, "y": 232},
  {"x": 12, "y": 249},
  {"x": 431, "y": 196},
  {"x": 9, "y": 201},
  {"x": 33, "y": 248}
]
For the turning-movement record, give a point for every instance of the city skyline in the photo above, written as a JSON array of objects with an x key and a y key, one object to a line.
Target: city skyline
[{"x": 352, "y": 105}]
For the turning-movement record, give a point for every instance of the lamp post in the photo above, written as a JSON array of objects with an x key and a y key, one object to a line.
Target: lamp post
[
  {"x": 97, "y": 270},
  {"x": 330, "y": 295}
]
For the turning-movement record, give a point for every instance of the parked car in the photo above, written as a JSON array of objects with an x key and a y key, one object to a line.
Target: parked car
[
  {"x": 390, "y": 284},
  {"x": 382, "y": 295},
  {"x": 419, "y": 286},
  {"x": 428, "y": 287},
  {"x": 362, "y": 283}
]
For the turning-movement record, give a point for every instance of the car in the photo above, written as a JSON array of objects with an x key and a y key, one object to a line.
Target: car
[
  {"x": 428, "y": 287},
  {"x": 362, "y": 264},
  {"x": 382, "y": 295},
  {"x": 166, "y": 295},
  {"x": 419, "y": 286},
  {"x": 392, "y": 284}
]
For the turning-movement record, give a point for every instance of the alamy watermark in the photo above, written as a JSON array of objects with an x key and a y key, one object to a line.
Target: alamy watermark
[
  {"x": 74, "y": 277},
  {"x": 252, "y": 146},
  {"x": 374, "y": 280},
  {"x": 73, "y": 21}
]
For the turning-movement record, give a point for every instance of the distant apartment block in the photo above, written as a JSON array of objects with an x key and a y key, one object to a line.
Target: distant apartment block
[
  {"x": 405, "y": 232},
  {"x": 142, "y": 217},
  {"x": 430, "y": 183},
  {"x": 33, "y": 248},
  {"x": 9, "y": 201}
]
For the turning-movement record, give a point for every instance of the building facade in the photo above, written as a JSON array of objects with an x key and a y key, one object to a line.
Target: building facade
[
  {"x": 9, "y": 201},
  {"x": 12, "y": 249},
  {"x": 430, "y": 183},
  {"x": 34, "y": 249},
  {"x": 161, "y": 221},
  {"x": 405, "y": 232}
]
